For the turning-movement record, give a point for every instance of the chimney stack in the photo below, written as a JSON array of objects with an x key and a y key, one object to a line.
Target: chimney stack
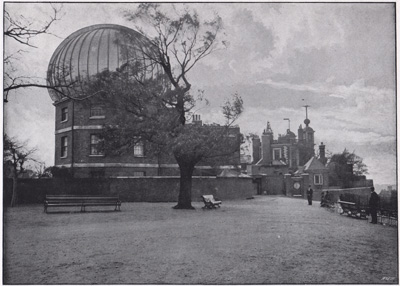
[
  {"x": 322, "y": 157},
  {"x": 196, "y": 119}
]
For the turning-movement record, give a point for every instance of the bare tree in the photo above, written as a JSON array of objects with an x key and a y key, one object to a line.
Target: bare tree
[
  {"x": 15, "y": 157},
  {"x": 22, "y": 30},
  {"x": 180, "y": 41}
]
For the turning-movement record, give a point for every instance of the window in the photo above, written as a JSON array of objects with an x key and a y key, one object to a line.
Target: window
[
  {"x": 139, "y": 174},
  {"x": 277, "y": 154},
  {"x": 96, "y": 145},
  {"x": 138, "y": 150},
  {"x": 318, "y": 179},
  {"x": 96, "y": 112},
  {"x": 64, "y": 114},
  {"x": 64, "y": 146}
]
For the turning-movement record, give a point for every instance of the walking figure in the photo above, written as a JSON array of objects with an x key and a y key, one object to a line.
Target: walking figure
[
  {"x": 309, "y": 195},
  {"x": 373, "y": 206}
]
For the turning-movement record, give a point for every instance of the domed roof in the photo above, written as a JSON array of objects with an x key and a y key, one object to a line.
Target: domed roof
[
  {"x": 94, "y": 49},
  {"x": 290, "y": 134}
]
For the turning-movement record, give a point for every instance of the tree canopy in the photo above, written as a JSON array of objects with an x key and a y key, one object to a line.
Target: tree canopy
[
  {"x": 15, "y": 157},
  {"x": 156, "y": 109},
  {"x": 348, "y": 166}
]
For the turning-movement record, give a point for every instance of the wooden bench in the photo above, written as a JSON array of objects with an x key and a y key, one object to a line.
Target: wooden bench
[
  {"x": 353, "y": 209},
  {"x": 210, "y": 202},
  {"x": 81, "y": 201},
  {"x": 387, "y": 217}
]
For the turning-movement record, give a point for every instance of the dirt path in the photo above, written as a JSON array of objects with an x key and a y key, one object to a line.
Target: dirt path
[{"x": 268, "y": 240}]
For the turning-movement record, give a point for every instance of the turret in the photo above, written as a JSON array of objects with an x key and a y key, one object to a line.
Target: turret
[
  {"x": 306, "y": 140},
  {"x": 267, "y": 139}
]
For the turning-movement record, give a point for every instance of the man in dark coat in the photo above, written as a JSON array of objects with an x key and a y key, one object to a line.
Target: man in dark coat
[
  {"x": 309, "y": 195},
  {"x": 374, "y": 205}
]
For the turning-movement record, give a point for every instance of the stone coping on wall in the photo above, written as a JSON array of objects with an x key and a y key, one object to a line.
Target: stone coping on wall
[
  {"x": 348, "y": 189},
  {"x": 174, "y": 177},
  {"x": 160, "y": 177}
]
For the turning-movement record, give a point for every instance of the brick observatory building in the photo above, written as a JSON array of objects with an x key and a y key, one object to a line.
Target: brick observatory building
[{"x": 80, "y": 120}]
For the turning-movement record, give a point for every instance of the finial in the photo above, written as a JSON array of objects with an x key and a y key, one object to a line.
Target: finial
[{"x": 268, "y": 130}]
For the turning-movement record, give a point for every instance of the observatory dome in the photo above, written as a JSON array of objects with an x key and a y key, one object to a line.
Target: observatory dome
[{"x": 92, "y": 50}]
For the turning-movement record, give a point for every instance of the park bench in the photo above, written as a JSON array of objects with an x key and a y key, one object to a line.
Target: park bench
[
  {"x": 352, "y": 209},
  {"x": 388, "y": 217},
  {"x": 210, "y": 202},
  {"x": 80, "y": 201}
]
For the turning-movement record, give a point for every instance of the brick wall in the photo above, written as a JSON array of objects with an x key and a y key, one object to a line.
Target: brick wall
[
  {"x": 127, "y": 164},
  {"x": 141, "y": 189}
]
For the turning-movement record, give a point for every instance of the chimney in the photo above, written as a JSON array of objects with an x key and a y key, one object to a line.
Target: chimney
[
  {"x": 322, "y": 157},
  {"x": 196, "y": 119}
]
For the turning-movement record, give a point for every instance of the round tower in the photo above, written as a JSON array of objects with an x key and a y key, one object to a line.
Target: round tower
[{"x": 79, "y": 123}]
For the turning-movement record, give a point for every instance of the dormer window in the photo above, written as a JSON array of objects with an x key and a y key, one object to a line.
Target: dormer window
[
  {"x": 64, "y": 114},
  {"x": 96, "y": 112}
]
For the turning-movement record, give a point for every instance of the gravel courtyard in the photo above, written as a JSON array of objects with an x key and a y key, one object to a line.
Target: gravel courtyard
[{"x": 267, "y": 240}]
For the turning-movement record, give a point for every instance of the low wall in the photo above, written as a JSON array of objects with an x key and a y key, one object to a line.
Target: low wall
[{"x": 141, "y": 189}]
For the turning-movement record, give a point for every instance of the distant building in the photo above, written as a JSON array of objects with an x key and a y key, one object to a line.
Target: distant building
[
  {"x": 288, "y": 165},
  {"x": 284, "y": 154}
]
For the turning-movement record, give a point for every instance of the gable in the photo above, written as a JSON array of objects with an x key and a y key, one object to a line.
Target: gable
[{"x": 314, "y": 164}]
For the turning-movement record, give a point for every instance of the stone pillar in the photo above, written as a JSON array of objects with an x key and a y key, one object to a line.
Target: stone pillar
[
  {"x": 256, "y": 149},
  {"x": 266, "y": 149}
]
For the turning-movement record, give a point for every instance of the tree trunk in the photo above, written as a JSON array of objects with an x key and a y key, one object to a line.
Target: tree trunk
[
  {"x": 185, "y": 188},
  {"x": 14, "y": 192}
]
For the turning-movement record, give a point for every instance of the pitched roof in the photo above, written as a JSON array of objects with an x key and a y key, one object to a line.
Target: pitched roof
[{"x": 314, "y": 164}]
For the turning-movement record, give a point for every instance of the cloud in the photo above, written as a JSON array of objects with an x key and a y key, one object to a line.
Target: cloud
[{"x": 339, "y": 58}]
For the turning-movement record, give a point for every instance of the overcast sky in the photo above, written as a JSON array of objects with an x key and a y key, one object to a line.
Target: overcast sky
[{"x": 337, "y": 58}]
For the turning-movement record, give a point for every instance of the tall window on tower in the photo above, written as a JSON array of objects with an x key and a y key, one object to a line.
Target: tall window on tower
[
  {"x": 276, "y": 153},
  {"x": 138, "y": 150},
  {"x": 64, "y": 114},
  {"x": 64, "y": 147},
  {"x": 96, "y": 145}
]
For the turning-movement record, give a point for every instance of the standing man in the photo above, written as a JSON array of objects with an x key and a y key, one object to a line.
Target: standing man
[
  {"x": 373, "y": 206},
  {"x": 309, "y": 195}
]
